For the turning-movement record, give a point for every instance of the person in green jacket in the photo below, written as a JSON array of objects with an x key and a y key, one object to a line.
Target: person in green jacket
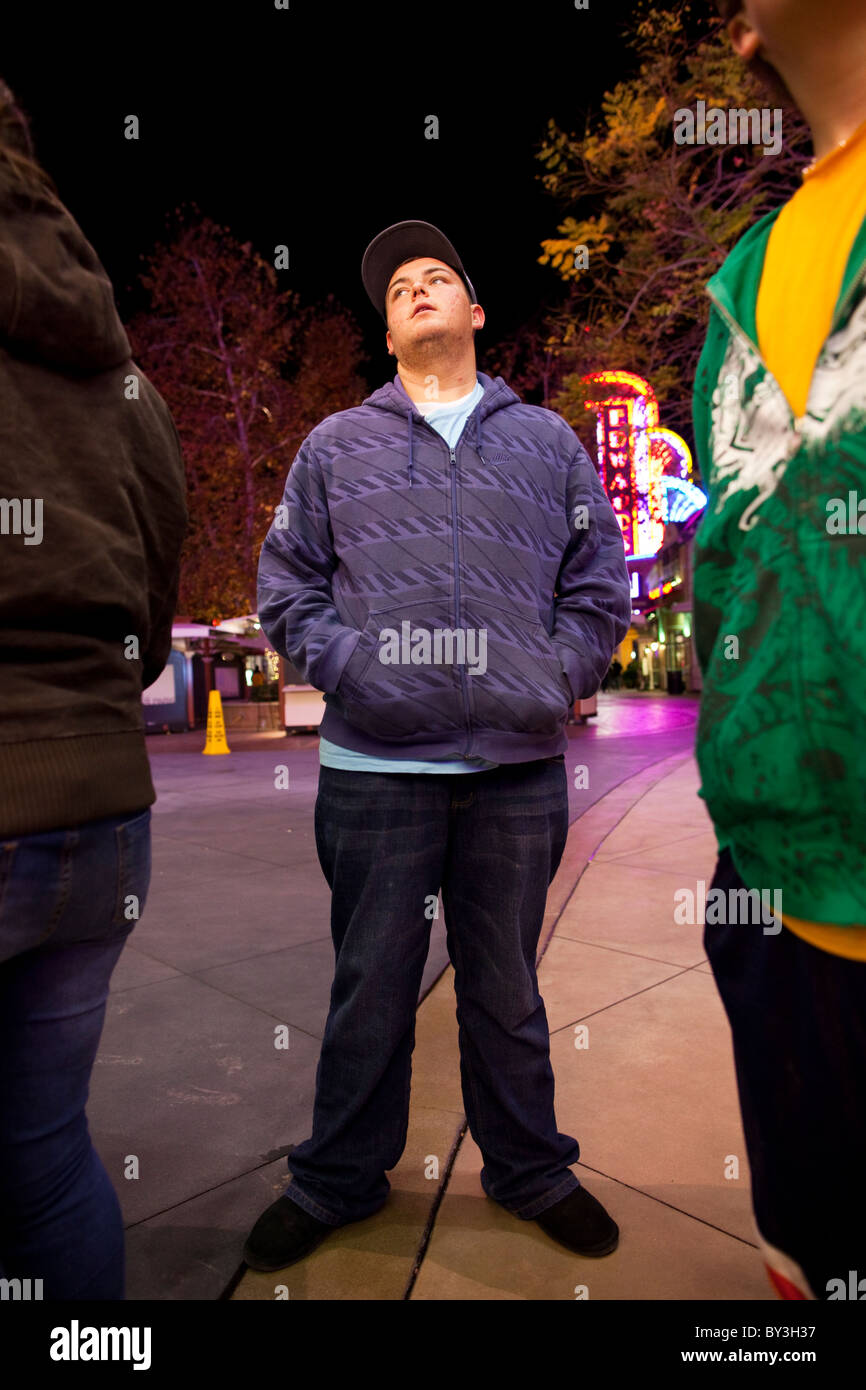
[{"x": 780, "y": 589}]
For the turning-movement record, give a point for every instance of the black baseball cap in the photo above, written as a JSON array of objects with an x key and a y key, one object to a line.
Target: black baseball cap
[{"x": 405, "y": 241}]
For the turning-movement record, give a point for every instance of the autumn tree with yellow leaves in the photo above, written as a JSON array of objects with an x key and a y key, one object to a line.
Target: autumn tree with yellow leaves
[{"x": 646, "y": 221}]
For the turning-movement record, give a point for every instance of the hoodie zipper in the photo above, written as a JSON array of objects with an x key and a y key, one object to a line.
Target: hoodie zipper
[
  {"x": 740, "y": 332},
  {"x": 456, "y": 548},
  {"x": 453, "y": 456}
]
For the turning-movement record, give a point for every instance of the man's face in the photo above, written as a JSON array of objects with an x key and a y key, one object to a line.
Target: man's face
[{"x": 427, "y": 303}]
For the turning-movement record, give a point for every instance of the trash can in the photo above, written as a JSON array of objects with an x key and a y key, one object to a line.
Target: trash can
[{"x": 676, "y": 684}]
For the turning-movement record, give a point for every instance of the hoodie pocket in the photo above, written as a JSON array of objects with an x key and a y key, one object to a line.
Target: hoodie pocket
[
  {"x": 519, "y": 685},
  {"x": 403, "y": 677}
]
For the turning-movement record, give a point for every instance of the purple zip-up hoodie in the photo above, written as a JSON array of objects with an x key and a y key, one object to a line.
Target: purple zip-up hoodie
[{"x": 449, "y": 602}]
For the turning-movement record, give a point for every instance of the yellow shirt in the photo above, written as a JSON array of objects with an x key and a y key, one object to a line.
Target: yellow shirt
[
  {"x": 839, "y": 941},
  {"x": 807, "y": 253}
]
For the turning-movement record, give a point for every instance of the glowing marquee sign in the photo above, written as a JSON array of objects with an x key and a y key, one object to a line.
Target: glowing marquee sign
[{"x": 645, "y": 470}]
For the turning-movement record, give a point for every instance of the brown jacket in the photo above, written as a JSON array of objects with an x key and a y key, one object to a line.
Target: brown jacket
[{"x": 92, "y": 518}]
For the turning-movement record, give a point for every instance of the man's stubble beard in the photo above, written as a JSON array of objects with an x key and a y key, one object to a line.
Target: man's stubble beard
[{"x": 436, "y": 349}]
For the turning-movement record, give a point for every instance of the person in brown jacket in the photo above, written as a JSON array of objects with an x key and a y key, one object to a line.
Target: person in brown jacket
[{"x": 93, "y": 515}]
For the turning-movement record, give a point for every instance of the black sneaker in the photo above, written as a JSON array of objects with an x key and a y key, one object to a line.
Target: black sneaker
[
  {"x": 283, "y": 1234},
  {"x": 580, "y": 1223}
]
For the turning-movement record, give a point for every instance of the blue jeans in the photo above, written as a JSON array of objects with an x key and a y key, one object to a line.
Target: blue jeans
[
  {"x": 66, "y": 910},
  {"x": 387, "y": 843}
]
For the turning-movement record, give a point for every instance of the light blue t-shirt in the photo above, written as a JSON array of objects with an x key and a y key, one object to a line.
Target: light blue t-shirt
[{"x": 448, "y": 419}]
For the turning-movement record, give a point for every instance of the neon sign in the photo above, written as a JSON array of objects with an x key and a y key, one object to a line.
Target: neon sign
[{"x": 646, "y": 470}]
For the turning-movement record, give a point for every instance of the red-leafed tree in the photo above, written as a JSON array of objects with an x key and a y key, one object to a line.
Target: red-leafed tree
[{"x": 246, "y": 372}]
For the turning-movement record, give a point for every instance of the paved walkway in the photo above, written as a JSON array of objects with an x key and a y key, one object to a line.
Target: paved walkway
[
  {"x": 234, "y": 943},
  {"x": 644, "y": 1079}
]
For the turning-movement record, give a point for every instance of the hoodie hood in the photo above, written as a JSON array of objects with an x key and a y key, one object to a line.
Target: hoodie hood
[
  {"x": 394, "y": 398},
  {"x": 56, "y": 301}
]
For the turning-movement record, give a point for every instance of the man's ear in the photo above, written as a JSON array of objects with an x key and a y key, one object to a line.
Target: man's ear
[{"x": 745, "y": 39}]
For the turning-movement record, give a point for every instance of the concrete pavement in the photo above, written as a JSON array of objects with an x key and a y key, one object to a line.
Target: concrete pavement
[{"x": 234, "y": 943}]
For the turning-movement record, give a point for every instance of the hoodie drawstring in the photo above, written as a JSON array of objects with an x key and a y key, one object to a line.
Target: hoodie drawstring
[{"x": 478, "y": 439}]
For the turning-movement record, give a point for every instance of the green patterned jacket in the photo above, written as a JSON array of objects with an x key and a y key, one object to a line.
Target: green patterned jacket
[{"x": 780, "y": 599}]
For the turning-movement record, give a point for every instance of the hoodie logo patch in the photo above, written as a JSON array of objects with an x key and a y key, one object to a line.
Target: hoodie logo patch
[{"x": 499, "y": 458}]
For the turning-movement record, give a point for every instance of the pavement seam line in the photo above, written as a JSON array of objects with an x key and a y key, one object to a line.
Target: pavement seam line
[
  {"x": 184, "y": 1201},
  {"x": 431, "y": 1217},
  {"x": 670, "y": 1205},
  {"x": 686, "y": 970},
  {"x": 621, "y": 951}
]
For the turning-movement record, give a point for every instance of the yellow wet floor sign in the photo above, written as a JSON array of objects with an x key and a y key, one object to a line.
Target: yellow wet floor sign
[{"x": 216, "y": 729}]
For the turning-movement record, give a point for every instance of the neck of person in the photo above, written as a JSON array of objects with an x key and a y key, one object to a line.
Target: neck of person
[
  {"x": 830, "y": 91},
  {"x": 439, "y": 380}
]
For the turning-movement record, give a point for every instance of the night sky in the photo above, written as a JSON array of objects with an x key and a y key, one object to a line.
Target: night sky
[{"x": 306, "y": 127}]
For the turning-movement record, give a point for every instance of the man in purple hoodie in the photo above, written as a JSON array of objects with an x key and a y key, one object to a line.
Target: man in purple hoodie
[{"x": 446, "y": 567}]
